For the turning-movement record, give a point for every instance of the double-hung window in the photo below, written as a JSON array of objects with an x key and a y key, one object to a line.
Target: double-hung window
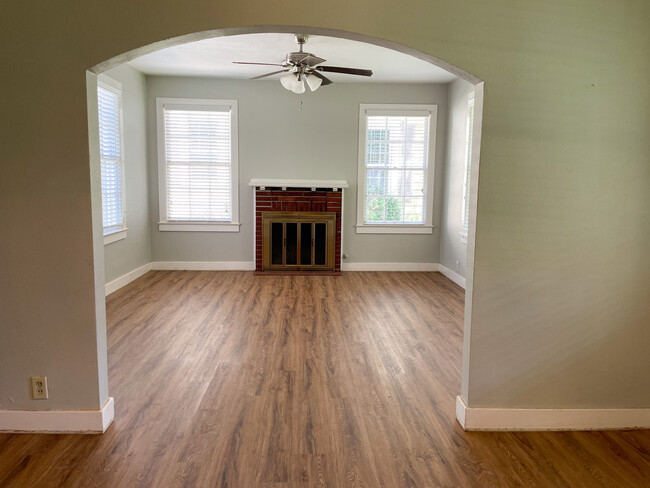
[
  {"x": 109, "y": 105},
  {"x": 468, "y": 168},
  {"x": 396, "y": 168},
  {"x": 197, "y": 167}
]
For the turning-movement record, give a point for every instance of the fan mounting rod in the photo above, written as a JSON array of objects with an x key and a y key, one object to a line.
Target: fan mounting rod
[{"x": 301, "y": 39}]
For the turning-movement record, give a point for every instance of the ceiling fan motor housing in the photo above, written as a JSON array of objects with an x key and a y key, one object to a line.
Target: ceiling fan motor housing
[{"x": 296, "y": 58}]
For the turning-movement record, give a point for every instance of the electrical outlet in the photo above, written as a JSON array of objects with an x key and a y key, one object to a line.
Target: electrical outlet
[
  {"x": 457, "y": 265},
  {"x": 39, "y": 387}
]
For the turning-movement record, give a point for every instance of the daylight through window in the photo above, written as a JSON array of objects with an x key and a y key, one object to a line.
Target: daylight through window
[
  {"x": 110, "y": 154},
  {"x": 395, "y": 153},
  {"x": 198, "y": 166}
]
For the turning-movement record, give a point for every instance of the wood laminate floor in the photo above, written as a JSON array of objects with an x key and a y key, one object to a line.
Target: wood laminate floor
[{"x": 226, "y": 379}]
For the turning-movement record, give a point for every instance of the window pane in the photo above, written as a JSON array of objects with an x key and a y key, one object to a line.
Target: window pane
[
  {"x": 198, "y": 157},
  {"x": 374, "y": 210},
  {"x": 396, "y": 155},
  {"x": 198, "y": 192},
  {"x": 414, "y": 155},
  {"x": 468, "y": 166},
  {"x": 111, "y": 178},
  {"x": 394, "y": 209},
  {"x": 377, "y": 128},
  {"x": 395, "y": 184},
  {"x": 414, "y": 209},
  {"x": 376, "y": 183},
  {"x": 396, "y": 128},
  {"x": 414, "y": 183},
  {"x": 416, "y": 128},
  {"x": 377, "y": 154},
  {"x": 110, "y": 155}
]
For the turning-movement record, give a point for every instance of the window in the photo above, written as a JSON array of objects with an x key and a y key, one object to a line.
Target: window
[
  {"x": 109, "y": 108},
  {"x": 468, "y": 168},
  {"x": 396, "y": 161},
  {"x": 197, "y": 169}
]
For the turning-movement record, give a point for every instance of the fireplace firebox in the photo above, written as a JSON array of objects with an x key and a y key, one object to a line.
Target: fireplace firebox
[{"x": 298, "y": 241}]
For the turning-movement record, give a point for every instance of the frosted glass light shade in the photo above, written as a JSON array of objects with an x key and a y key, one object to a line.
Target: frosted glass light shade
[
  {"x": 313, "y": 81},
  {"x": 290, "y": 81},
  {"x": 300, "y": 87}
]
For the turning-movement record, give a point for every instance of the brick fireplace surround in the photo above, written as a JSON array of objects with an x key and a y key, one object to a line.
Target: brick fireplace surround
[{"x": 297, "y": 196}]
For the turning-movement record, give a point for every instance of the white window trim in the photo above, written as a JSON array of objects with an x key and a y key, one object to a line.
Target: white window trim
[
  {"x": 116, "y": 235},
  {"x": 191, "y": 226},
  {"x": 463, "y": 233},
  {"x": 401, "y": 228},
  {"x": 108, "y": 83}
]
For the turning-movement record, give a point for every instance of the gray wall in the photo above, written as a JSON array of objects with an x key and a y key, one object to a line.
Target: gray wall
[
  {"x": 278, "y": 140},
  {"x": 125, "y": 255},
  {"x": 562, "y": 270},
  {"x": 452, "y": 248}
]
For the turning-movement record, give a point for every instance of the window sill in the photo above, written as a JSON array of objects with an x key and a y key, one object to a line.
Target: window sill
[
  {"x": 115, "y": 236},
  {"x": 394, "y": 229},
  {"x": 198, "y": 226}
]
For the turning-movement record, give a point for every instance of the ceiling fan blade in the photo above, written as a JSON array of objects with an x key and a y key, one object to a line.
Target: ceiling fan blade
[
  {"x": 347, "y": 71},
  {"x": 269, "y": 74},
  {"x": 326, "y": 81},
  {"x": 262, "y": 64}
]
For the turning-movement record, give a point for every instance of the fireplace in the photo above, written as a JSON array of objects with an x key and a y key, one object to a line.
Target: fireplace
[{"x": 298, "y": 225}]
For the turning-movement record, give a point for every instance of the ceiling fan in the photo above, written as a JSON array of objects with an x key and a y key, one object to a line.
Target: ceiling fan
[{"x": 305, "y": 67}]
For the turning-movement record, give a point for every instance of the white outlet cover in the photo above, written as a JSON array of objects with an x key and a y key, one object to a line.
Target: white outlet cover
[{"x": 39, "y": 387}]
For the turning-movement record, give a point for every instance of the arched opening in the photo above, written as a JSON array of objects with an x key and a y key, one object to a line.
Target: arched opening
[{"x": 470, "y": 138}]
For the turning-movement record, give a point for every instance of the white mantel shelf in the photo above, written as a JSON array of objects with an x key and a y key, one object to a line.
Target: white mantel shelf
[{"x": 270, "y": 182}]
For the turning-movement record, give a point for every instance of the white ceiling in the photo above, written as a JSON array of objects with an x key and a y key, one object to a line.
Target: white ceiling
[{"x": 214, "y": 58}]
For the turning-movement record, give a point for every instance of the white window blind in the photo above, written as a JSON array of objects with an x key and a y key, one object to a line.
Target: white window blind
[
  {"x": 110, "y": 153},
  {"x": 396, "y": 161},
  {"x": 198, "y": 163},
  {"x": 468, "y": 166}
]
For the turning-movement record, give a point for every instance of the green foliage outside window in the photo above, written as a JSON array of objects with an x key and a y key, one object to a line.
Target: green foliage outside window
[{"x": 375, "y": 208}]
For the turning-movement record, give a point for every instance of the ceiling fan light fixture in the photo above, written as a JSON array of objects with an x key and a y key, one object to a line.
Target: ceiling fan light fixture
[
  {"x": 290, "y": 81},
  {"x": 300, "y": 87},
  {"x": 313, "y": 81}
]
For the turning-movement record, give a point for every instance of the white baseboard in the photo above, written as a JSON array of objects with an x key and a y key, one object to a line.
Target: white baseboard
[
  {"x": 204, "y": 265},
  {"x": 58, "y": 421},
  {"x": 453, "y": 276},
  {"x": 532, "y": 419},
  {"x": 127, "y": 278},
  {"x": 389, "y": 267}
]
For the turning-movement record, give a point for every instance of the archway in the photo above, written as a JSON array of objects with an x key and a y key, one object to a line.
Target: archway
[{"x": 475, "y": 135}]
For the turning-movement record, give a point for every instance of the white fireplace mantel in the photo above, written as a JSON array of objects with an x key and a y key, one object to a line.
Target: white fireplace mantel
[{"x": 282, "y": 183}]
